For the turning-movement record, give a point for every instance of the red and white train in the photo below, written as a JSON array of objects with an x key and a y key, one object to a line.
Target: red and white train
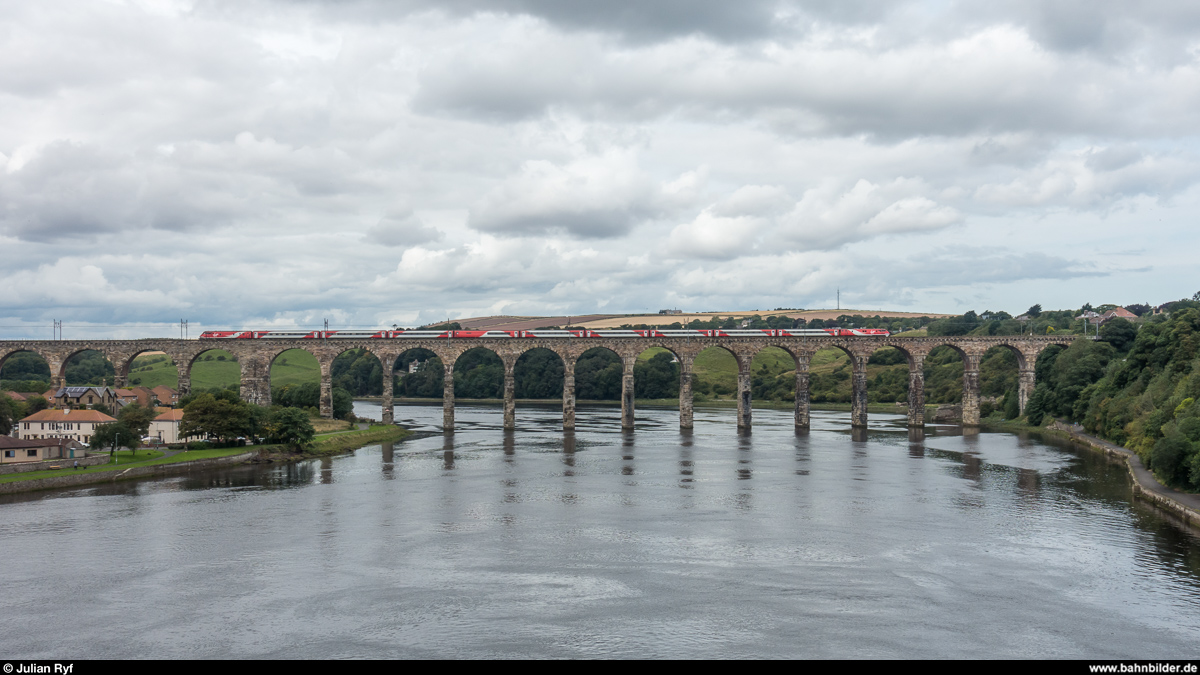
[{"x": 574, "y": 332}]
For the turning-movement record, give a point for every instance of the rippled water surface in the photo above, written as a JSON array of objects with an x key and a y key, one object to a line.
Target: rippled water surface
[{"x": 653, "y": 543}]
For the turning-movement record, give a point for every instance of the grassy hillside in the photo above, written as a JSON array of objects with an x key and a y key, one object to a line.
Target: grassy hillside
[{"x": 216, "y": 368}]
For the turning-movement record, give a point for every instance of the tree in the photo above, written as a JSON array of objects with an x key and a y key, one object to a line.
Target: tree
[
  {"x": 207, "y": 416},
  {"x": 1119, "y": 333},
  {"x": 35, "y": 404},
  {"x": 114, "y": 435},
  {"x": 7, "y": 415},
  {"x": 657, "y": 377},
  {"x": 1034, "y": 311},
  {"x": 137, "y": 418},
  {"x": 343, "y": 404},
  {"x": 291, "y": 427}
]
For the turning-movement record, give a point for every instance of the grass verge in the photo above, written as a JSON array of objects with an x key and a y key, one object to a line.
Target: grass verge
[{"x": 337, "y": 442}]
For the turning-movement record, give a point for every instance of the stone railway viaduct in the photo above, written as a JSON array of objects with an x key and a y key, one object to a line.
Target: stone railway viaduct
[{"x": 255, "y": 358}]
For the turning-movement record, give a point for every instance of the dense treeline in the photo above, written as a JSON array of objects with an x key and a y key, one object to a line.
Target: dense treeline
[{"x": 1136, "y": 387}]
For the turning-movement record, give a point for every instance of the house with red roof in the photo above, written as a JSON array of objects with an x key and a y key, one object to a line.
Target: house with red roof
[
  {"x": 75, "y": 425},
  {"x": 165, "y": 427}
]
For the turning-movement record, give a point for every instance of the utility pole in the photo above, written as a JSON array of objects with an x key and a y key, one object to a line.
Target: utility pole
[
  {"x": 325, "y": 335},
  {"x": 58, "y": 329},
  {"x": 183, "y": 326},
  {"x": 839, "y": 299}
]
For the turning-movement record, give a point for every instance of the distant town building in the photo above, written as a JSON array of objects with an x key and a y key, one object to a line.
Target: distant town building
[
  {"x": 670, "y": 311},
  {"x": 76, "y": 425},
  {"x": 166, "y": 395},
  {"x": 1119, "y": 313},
  {"x": 85, "y": 397}
]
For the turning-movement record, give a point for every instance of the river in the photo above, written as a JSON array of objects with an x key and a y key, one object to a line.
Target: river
[{"x": 654, "y": 543}]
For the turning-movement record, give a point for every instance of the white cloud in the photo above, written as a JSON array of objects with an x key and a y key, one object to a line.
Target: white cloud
[
  {"x": 590, "y": 197},
  {"x": 370, "y": 161}
]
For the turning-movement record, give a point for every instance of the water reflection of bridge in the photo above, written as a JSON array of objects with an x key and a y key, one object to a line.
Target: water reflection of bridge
[{"x": 255, "y": 357}]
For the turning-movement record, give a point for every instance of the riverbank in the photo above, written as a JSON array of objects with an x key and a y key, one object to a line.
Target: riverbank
[
  {"x": 1185, "y": 505},
  {"x": 335, "y": 443},
  {"x": 198, "y": 460}
]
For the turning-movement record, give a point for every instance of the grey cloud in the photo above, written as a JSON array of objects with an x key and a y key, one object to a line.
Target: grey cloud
[
  {"x": 997, "y": 82},
  {"x": 588, "y": 224},
  {"x": 1107, "y": 27},
  {"x": 640, "y": 20},
  {"x": 966, "y": 266},
  {"x": 402, "y": 229}
]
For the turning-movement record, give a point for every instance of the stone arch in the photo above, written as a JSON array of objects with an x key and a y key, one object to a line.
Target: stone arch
[
  {"x": 46, "y": 358},
  {"x": 332, "y": 357},
  {"x": 512, "y": 356},
  {"x": 484, "y": 354},
  {"x": 858, "y": 351},
  {"x": 573, "y": 359},
  {"x": 998, "y": 385},
  {"x": 71, "y": 353},
  {"x": 1023, "y": 357},
  {"x": 339, "y": 350},
  {"x": 125, "y": 361},
  {"x": 971, "y": 352},
  {"x": 743, "y": 352},
  {"x": 520, "y": 359},
  {"x": 259, "y": 366},
  {"x": 914, "y": 354}
]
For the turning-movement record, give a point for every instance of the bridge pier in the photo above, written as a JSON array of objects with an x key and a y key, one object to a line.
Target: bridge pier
[
  {"x": 1025, "y": 385},
  {"x": 568, "y": 396},
  {"x": 388, "y": 404},
  {"x": 58, "y": 378},
  {"x": 685, "y": 393},
  {"x": 448, "y": 396},
  {"x": 510, "y": 402},
  {"x": 970, "y": 395},
  {"x": 627, "y": 391},
  {"x": 916, "y": 392},
  {"x": 256, "y": 379},
  {"x": 743, "y": 392},
  {"x": 326, "y": 390},
  {"x": 858, "y": 395},
  {"x": 802, "y": 392},
  {"x": 185, "y": 382}
]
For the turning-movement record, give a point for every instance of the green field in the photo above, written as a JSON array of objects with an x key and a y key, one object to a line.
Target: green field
[{"x": 216, "y": 368}]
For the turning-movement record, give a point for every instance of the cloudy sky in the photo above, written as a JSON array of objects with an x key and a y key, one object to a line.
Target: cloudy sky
[{"x": 267, "y": 162}]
